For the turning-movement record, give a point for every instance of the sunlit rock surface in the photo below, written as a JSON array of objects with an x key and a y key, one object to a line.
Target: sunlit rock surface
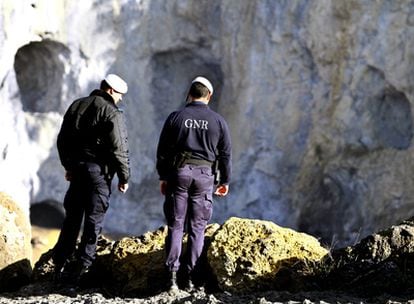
[
  {"x": 246, "y": 255},
  {"x": 15, "y": 248}
]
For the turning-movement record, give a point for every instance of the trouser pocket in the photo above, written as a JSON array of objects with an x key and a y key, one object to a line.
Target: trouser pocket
[{"x": 207, "y": 210}]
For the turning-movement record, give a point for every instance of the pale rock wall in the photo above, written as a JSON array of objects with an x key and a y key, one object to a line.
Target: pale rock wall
[{"x": 317, "y": 95}]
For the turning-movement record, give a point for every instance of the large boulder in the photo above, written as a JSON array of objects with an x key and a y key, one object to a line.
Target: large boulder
[
  {"x": 246, "y": 255},
  {"x": 15, "y": 247}
]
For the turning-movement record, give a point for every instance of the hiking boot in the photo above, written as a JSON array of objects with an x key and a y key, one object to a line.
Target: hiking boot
[
  {"x": 74, "y": 273},
  {"x": 79, "y": 272}
]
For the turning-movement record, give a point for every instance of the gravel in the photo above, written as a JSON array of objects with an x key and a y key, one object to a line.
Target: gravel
[{"x": 45, "y": 293}]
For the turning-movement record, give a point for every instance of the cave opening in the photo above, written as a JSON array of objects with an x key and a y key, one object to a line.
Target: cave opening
[
  {"x": 40, "y": 69},
  {"x": 393, "y": 120},
  {"x": 172, "y": 74}
]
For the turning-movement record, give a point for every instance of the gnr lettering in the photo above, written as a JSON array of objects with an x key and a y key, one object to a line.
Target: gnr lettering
[{"x": 196, "y": 124}]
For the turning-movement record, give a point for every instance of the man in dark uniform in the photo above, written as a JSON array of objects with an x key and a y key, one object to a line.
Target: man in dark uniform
[
  {"x": 191, "y": 140},
  {"x": 93, "y": 146}
]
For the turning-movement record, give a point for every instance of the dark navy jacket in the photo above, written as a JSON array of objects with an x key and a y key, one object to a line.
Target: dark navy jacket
[{"x": 197, "y": 129}]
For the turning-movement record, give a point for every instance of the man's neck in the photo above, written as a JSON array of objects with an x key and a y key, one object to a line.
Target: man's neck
[{"x": 204, "y": 100}]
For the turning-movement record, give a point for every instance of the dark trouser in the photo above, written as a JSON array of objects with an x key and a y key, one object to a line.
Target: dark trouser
[
  {"x": 88, "y": 195},
  {"x": 189, "y": 198}
]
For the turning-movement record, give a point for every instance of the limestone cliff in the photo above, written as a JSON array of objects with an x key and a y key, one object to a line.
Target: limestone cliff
[{"x": 317, "y": 94}]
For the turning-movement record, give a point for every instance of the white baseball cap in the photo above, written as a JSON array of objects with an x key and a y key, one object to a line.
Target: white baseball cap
[
  {"x": 116, "y": 83},
  {"x": 204, "y": 81}
]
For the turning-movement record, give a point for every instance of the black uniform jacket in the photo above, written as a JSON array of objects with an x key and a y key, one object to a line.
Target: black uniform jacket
[
  {"x": 93, "y": 130},
  {"x": 197, "y": 129}
]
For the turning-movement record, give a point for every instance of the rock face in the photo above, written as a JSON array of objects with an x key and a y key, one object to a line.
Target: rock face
[
  {"x": 318, "y": 96},
  {"x": 15, "y": 248},
  {"x": 246, "y": 255}
]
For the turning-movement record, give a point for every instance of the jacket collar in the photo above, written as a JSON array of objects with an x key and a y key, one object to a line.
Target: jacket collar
[
  {"x": 102, "y": 94},
  {"x": 197, "y": 103}
]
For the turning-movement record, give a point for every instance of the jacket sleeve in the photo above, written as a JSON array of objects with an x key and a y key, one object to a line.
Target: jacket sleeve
[
  {"x": 165, "y": 150},
  {"x": 117, "y": 144},
  {"x": 66, "y": 140},
  {"x": 63, "y": 146},
  {"x": 224, "y": 154}
]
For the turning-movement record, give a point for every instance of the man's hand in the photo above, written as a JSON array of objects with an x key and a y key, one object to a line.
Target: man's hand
[
  {"x": 163, "y": 187},
  {"x": 123, "y": 187},
  {"x": 222, "y": 190}
]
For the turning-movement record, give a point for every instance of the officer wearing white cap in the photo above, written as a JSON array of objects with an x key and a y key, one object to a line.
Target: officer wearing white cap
[
  {"x": 93, "y": 147},
  {"x": 193, "y": 141}
]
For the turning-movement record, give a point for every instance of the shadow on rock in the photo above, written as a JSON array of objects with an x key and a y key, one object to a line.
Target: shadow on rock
[
  {"x": 15, "y": 275},
  {"x": 382, "y": 263}
]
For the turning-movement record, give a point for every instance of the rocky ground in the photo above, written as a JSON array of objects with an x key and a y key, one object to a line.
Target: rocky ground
[
  {"x": 45, "y": 293},
  {"x": 379, "y": 269}
]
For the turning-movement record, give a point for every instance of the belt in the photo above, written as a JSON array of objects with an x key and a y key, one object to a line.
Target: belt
[{"x": 198, "y": 162}]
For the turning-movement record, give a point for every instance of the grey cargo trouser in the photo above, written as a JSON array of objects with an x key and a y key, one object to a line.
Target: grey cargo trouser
[{"x": 188, "y": 199}]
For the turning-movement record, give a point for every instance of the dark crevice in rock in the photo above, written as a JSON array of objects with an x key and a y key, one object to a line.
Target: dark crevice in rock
[
  {"x": 40, "y": 69},
  {"x": 392, "y": 118},
  {"x": 172, "y": 74}
]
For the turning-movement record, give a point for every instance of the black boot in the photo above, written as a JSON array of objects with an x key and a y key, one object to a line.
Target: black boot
[
  {"x": 75, "y": 273},
  {"x": 58, "y": 269},
  {"x": 58, "y": 273},
  {"x": 79, "y": 274}
]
